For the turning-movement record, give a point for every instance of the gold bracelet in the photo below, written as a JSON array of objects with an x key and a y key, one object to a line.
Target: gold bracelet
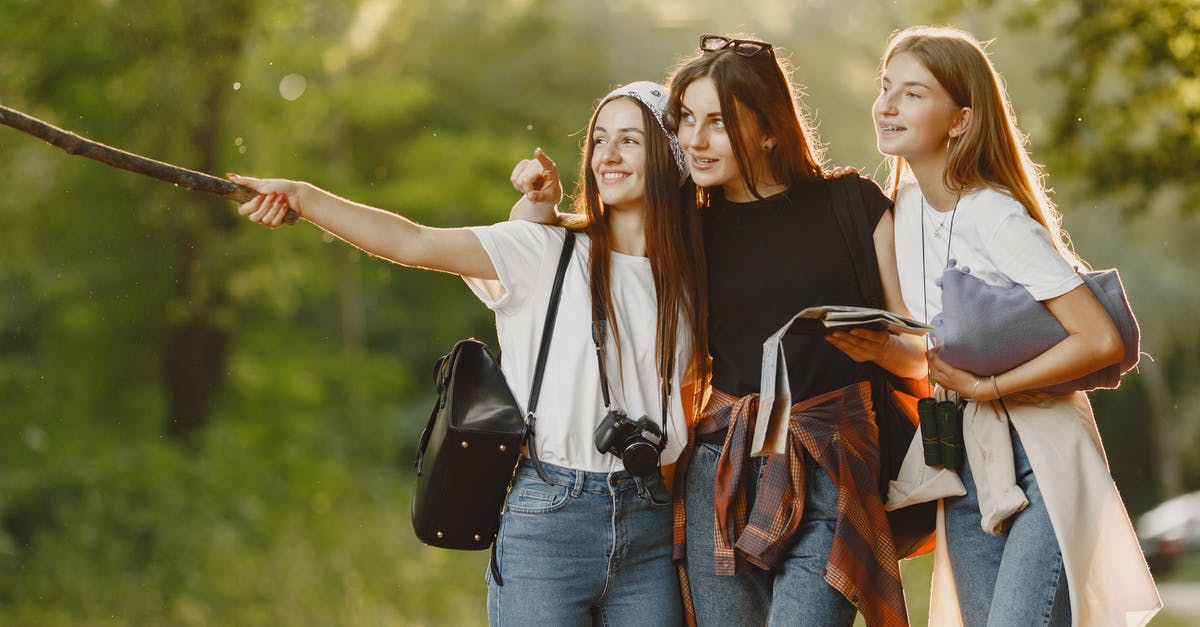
[
  {"x": 973, "y": 387},
  {"x": 995, "y": 387}
]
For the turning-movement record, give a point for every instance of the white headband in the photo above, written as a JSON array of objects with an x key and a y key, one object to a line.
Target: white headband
[{"x": 654, "y": 97}]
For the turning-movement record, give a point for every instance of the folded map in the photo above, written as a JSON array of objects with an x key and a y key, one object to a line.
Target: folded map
[{"x": 834, "y": 316}]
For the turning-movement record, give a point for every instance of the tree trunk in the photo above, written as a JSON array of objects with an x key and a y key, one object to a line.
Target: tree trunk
[
  {"x": 193, "y": 371},
  {"x": 195, "y": 356},
  {"x": 1168, "y": 461}
]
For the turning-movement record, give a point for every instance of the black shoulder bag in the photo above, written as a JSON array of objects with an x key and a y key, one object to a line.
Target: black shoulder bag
[
  {"x": 469, "y": 450},
  {"x": 894, "y": 398}
]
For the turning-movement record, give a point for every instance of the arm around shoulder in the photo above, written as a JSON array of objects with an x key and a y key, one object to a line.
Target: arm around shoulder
[
  {"x": 530, "y": 211},
  {"x": 541, "y": 189}
]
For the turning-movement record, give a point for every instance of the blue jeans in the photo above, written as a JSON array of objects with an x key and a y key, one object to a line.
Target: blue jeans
[
  {"x": 1012, "y": 579},
  {"x": 794, "y": 592},
  {"x": 583, "y": 551}
]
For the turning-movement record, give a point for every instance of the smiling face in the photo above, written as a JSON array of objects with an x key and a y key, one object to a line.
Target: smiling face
[
  {"x": 709, "y": 143},
  {"x": 619, "y": 154},
  {"x": 914, "y": 115}
]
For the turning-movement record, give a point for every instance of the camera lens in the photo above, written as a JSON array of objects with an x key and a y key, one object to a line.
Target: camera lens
[{"x": 641, "y": 458}]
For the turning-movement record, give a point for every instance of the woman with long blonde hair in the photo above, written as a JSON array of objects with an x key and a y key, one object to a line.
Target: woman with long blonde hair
[{"x": 1040, "y": 536}]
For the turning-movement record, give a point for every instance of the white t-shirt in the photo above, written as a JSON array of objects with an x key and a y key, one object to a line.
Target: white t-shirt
[
  {"x": 990, "y": 233},
  {"x": 570, "y": 404}
]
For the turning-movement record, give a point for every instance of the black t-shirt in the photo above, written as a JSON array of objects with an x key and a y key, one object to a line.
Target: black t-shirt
[{"x": 767, "y": 260}]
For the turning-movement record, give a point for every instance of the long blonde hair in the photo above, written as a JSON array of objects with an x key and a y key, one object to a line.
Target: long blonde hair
[{"x": 992, "y": 151}]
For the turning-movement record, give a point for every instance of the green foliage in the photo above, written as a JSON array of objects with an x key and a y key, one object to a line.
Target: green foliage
[
  {"x": 272, "y": 526},
  {"x": 1131, "y": 86},
  {"x": 291, "y": 506}
]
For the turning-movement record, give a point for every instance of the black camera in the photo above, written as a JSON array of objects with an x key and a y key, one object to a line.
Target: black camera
[{"x": 636, "y": 442}]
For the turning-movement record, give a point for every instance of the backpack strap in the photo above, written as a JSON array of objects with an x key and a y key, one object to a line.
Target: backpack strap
[
  {"x": 852, "y": 219},
  {"x": 564, "y": 260}
]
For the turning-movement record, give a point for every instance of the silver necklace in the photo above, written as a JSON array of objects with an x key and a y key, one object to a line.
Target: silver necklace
[
  {"x": 949, "y": 234},
  {"x": 939, "y": 226}
]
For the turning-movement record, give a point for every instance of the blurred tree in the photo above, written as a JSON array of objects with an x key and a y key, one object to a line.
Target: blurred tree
[
  {"x": 1131, "y": 89},
  {"x": 307, "y": 360},
  {"x": 196, "y": 348},
  {"x": 172, "y": 76},
  {"x": 1122, "y": 141}
]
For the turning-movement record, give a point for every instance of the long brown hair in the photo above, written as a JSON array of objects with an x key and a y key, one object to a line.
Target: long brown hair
[
  {"x": 674, "y": 246},
  {"x": 992, "y": 151},
  {"x": 758, "y": 86}
]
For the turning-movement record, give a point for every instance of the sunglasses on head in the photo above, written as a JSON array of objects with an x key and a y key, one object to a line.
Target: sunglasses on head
[{"x": 744, "y": 47}]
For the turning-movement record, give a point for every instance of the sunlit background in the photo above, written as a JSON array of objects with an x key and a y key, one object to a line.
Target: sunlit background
[{"x": 203, "y": 422}]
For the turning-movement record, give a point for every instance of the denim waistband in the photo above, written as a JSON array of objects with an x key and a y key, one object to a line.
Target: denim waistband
[{"x": 579, "y": 480}]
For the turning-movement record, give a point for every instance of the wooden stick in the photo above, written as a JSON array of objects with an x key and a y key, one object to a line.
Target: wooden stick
[{"x": 190, "y": 180}]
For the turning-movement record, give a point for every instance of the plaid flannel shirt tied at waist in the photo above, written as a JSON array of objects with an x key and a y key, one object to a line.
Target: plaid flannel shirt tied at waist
[{"x": 837, "y": 430}]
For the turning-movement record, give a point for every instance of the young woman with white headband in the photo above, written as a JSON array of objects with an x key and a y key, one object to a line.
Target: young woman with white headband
[{"x": 583, "y": 541}]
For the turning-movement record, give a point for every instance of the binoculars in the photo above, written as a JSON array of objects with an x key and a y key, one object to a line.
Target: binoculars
[{"x": 941, "y": 432}]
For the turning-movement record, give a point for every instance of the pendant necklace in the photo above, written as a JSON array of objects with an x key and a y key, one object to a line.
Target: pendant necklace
[
  {"x": 927, "y": 405},
  {"x": 937, "y": 235},
  {"x": 937, "y": 228}
]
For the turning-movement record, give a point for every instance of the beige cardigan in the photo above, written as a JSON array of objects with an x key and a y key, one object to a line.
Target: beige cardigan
[{"x": 1109, "y": 581}]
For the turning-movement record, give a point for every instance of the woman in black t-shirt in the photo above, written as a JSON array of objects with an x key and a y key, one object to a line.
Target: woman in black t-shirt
[{"x": 798, "y": 537}]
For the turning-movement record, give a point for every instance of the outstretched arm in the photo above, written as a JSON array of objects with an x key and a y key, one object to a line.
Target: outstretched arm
[
  {"x": 378, "y": 232},
  {"x": 538, "y": 181}
]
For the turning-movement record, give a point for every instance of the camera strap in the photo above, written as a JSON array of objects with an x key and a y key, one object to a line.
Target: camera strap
[
  {"x": 652, "y": 487},
  {"x": 599, "y": 338}
]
